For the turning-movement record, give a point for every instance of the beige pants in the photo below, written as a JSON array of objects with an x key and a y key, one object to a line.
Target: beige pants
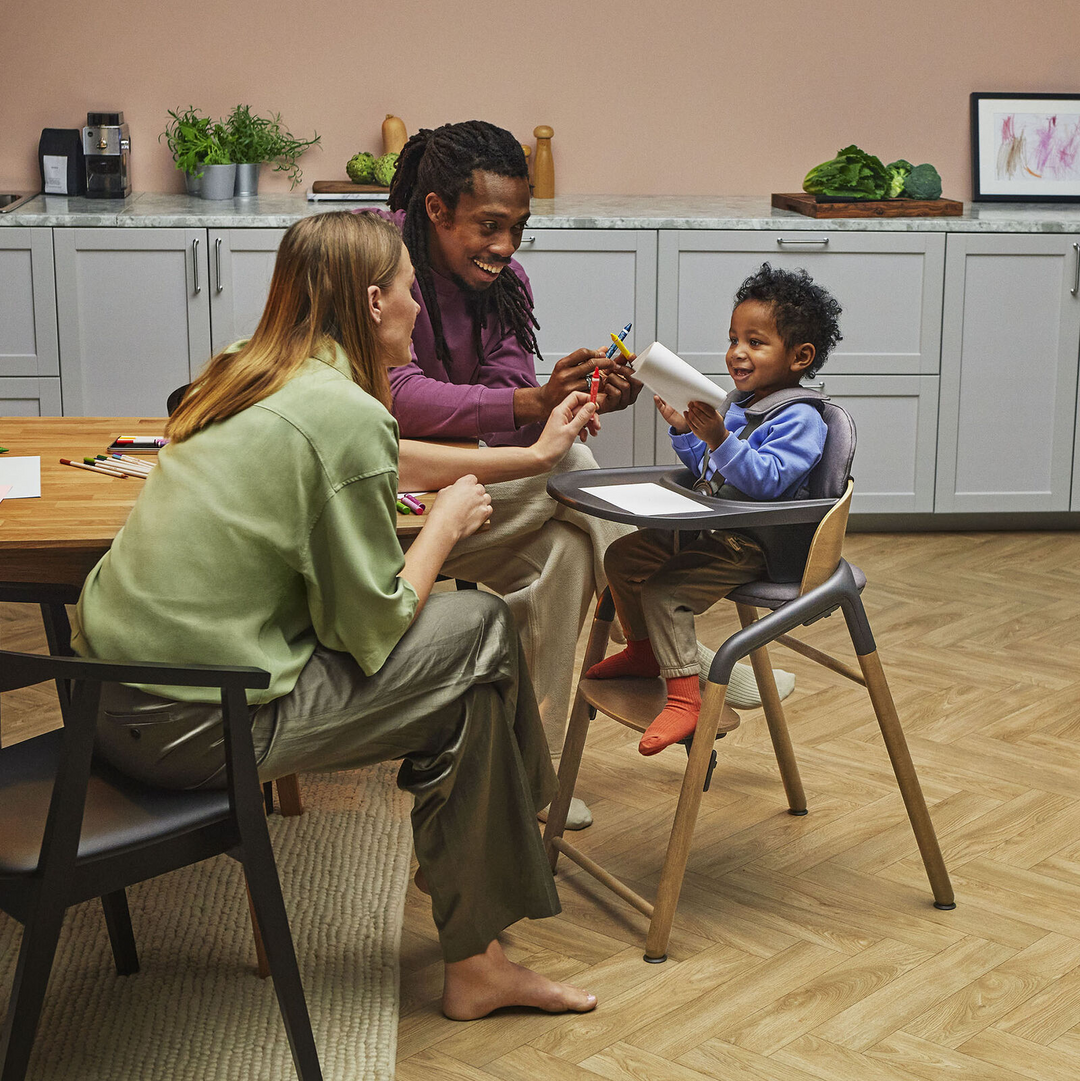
[
  {"x": 547, "y": 561},
  {"x": 657, "y": 592}
]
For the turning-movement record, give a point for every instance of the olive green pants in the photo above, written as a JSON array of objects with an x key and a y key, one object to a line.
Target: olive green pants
[
  {"x": 453, "y": 700},
  {"x": 658, "y": 591}
]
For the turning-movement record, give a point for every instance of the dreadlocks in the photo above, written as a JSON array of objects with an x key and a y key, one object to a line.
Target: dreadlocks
[{"x": 443, "y": 161}]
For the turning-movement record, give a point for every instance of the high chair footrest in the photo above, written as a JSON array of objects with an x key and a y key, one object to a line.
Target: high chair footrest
[{"x": 637, "y": 702}]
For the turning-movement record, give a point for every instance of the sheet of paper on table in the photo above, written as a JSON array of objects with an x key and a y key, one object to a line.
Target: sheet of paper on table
[
  {"x": 23, "y": 475},
  {"x": 646, "y": 499}
]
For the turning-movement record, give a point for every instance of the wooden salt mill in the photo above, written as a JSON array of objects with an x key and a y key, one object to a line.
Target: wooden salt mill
[{"x": 543, "y": 166}]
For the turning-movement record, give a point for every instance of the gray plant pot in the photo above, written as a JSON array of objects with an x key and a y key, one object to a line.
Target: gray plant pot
[
  {"x": 218, "y": 181},
  {"x": 192, "y": 183},
  {"x": 247, "y": 178}
]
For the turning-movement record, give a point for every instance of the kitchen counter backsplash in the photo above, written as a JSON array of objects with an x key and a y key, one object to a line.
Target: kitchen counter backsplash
[{"x": 275, "y": 211}]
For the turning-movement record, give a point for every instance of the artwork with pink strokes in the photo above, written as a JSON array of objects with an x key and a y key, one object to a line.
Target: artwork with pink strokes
[{"x": 1038, "y": 146}]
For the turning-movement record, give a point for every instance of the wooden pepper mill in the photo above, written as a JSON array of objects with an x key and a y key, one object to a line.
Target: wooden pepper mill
[
  {"x": 543, "y": 166},
  {"x": 527, "y": 151}
]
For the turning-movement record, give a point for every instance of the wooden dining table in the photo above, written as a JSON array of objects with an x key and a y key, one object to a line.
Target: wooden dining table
[{"x": 56, "y": 539}]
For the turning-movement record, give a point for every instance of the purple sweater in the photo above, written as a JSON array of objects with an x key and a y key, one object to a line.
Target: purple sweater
[{"x": 474, "y": 397}]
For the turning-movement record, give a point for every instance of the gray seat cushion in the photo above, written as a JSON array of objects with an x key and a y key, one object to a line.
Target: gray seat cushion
[{"x": 766, "y": 594}]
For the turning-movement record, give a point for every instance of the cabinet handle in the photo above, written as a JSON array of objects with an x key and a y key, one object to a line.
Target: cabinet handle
[
  {"x": 819, "y": 386},
  {"x": 195, "y": 265},
  {"x": 217, "y": 263},
  {"x": 782, "y": 241},
  {"x": 528, "y": 240},
  {"x": 1075, "y": 290}
]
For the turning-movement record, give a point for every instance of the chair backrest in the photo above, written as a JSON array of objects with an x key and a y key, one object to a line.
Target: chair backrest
[
  {"x": 828, "y": 479},
  {"x": 828, "y": 544}
]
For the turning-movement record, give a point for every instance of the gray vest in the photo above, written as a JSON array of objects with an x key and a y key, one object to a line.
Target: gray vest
[{"x": 785, "y": 547}]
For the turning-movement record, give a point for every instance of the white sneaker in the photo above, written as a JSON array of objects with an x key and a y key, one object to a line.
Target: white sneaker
[
  {"x": 742, "y": 692},
  {"x": 578, "y": 817}
]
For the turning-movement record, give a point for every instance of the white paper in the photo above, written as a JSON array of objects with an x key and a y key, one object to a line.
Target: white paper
[
  {"x": 4, "y": 489},
  {"x": 646, "y": 499},
  {"x": 677, "y": 382},
  {"x": 24, "y": 476},
  {"x": 55, "y": 169}
]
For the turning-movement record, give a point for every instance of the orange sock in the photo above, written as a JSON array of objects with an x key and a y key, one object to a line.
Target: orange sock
[
  {"x": 679, "y": 717},
  {"x": 636, "y": 660}
]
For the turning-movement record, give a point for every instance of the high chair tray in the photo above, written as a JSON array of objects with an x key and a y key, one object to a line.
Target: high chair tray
[{"x": 721, "y": 513}]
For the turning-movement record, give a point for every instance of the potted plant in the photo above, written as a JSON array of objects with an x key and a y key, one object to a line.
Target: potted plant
[
  {"x": 200, "y": 150},
  {"x": 253, "y": 139}
]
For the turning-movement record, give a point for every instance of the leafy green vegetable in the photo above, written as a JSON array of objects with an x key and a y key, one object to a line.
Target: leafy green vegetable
[
  {"x": 361, "y": 168},
  {"x": 384, "y": 169},
  {"x": 898, "y": 172},
  {"x": 852, "y": 173},
  {"x": 923, "y": 182}
]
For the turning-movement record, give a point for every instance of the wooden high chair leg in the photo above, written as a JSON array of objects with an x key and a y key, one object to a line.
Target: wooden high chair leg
[
  {"x": 288, "y": 794},
  {"x": 682, "y": 830},
  {"x": 774, "y": 717},
  {"x": 261, "y": 962},
  {"x": 907, "y": 779},
  {"x": 574, "y": 743}
]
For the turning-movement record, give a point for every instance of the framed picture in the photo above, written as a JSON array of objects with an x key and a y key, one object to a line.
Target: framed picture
[{"x": 1025, "y": 148}]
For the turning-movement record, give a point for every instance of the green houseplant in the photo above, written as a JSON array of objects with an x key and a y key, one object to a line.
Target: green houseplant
[
  {"x": 253, "y": 139},
  {"x": 195, "y": 141}
]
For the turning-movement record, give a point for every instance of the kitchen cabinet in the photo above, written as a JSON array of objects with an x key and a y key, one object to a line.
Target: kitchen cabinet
[
  {"x": 588, "y": 283},
  {"x": 885, "y": 369},
  {"x": 1010, "y": 346},
  {"x": 241, "y": 265},
  {"x": 134, "y": 316},
  {"x": 29, "y": 352}
]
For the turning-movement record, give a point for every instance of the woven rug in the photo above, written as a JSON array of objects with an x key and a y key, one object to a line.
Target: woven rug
[{"x": 197, "y": 1009}]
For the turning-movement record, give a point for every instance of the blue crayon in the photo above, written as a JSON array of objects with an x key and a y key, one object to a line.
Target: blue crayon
[{"x": 613, "y": 348}]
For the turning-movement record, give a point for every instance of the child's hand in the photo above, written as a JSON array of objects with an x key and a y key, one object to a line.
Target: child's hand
[
  {"x": 706, "y": 423},
  {"x": 675, "y": 419}
]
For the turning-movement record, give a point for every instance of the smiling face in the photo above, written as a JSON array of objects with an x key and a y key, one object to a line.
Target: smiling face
[
  {"x": 757, "y": 358},
  {"x": 473, "y": 243},
  {"x": 394, "y": 312}
]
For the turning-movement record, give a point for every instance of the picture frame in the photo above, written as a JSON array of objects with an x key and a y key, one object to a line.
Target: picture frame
[{"x": 1025, "y": 148}]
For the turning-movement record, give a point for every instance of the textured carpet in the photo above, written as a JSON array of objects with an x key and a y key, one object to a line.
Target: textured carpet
[{"x": 197, "y": 1010}]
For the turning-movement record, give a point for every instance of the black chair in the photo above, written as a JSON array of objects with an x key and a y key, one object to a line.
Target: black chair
[
  {"x": 808, "y": 580},
  {"x": 72, "y": 829}
]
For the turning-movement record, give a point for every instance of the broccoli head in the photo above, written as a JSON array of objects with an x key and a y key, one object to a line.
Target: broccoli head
[
  {"x": 898, "y": 172},
  {"x": 923, "y": 182}
]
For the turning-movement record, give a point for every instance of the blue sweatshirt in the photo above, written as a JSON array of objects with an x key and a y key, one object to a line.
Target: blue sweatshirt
[{"x": 772, "y": 462}]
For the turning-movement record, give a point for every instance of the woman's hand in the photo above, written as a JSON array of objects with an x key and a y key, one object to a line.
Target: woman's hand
[
  {"x": 574, "y": 416},
  {"x": 461, "y": 509},
  {"x": 706, "y": 423},
  {"x": 674, "y": 418}
]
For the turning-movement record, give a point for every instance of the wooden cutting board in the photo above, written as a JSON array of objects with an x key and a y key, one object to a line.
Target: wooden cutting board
[
  {"x": 804, "y": 203},
  {"x": 344, "y": 187}
]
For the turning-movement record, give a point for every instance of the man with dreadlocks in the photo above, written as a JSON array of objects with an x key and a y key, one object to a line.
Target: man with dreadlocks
[{"x": 460, "y": 196}]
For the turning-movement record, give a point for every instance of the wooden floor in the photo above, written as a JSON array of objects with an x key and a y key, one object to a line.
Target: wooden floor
[{"x": 808, "y": 948}]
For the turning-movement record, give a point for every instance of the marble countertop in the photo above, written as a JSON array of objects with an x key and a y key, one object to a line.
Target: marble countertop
[{"x": 279, "y": 210}]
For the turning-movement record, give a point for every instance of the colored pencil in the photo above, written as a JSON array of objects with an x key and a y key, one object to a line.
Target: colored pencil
[{"x": 92, "y": 468}]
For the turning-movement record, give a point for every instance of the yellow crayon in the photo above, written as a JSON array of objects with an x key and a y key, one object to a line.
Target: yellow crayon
[{"x": 622, "y": 346}]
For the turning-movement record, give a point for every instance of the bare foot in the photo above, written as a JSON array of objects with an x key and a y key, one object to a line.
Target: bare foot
[{"x": 487, "y": 981}]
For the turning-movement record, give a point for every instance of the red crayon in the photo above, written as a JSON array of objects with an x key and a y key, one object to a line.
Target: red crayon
[{"x": 595, "y": 384}]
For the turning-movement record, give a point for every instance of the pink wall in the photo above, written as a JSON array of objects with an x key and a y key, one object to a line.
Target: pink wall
[{"x": 682, "y": 97}]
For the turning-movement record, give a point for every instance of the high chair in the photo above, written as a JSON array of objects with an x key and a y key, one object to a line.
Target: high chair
[{"x": 808, "y": 580}]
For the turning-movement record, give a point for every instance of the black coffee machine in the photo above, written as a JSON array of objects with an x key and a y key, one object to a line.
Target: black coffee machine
[{"x": 107, "y": 149}]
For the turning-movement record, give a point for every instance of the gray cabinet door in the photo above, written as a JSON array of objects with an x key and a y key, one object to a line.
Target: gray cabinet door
[
  {"x": 587, "y": 283},
  {"x": 134, "y": 317},
  {"x": 29, "y": 354},
  {"x": 888, "y": 284},
  {"x": 241, "y": 265},
  {"x": 1010, "y": 340}
]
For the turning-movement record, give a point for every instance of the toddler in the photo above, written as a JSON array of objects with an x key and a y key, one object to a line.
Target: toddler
[{"x": 771, "y": 435}]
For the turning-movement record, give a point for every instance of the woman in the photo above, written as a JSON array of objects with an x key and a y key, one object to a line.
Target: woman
[{"x": 266, "y": 537}]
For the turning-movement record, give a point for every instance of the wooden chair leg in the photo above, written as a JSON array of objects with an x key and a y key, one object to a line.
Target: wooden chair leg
[
  {"x": 32, "y": 971},
  {"x": 260, "y": 950},
  {"x": 121, "y": 936},
  {"x": 774, "y": 717},
  {"x": 907, "y": 779},
  {"x": 264, "y": 890},
  {"x": 574, "y": 743},
  {"x": 288, "y": 794},
  {"x": 682, "y": 830}
]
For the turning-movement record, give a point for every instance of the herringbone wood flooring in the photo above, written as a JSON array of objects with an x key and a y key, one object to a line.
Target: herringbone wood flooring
[{"x": 807, "y": 948}]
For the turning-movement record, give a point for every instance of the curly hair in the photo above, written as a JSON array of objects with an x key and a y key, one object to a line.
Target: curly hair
[
  {"x": 443, "y": 161},
  {"x": 803, "y": 311}
]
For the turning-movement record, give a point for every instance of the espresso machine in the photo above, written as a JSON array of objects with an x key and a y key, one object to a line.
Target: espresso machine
[{"x": 107, "y": 149}]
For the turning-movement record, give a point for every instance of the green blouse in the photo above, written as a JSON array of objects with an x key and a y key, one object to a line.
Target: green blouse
[{"x": 258, "y": 537}]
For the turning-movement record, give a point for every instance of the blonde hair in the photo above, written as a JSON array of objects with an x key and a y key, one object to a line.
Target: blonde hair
[{"x": 318, "y": 296}]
